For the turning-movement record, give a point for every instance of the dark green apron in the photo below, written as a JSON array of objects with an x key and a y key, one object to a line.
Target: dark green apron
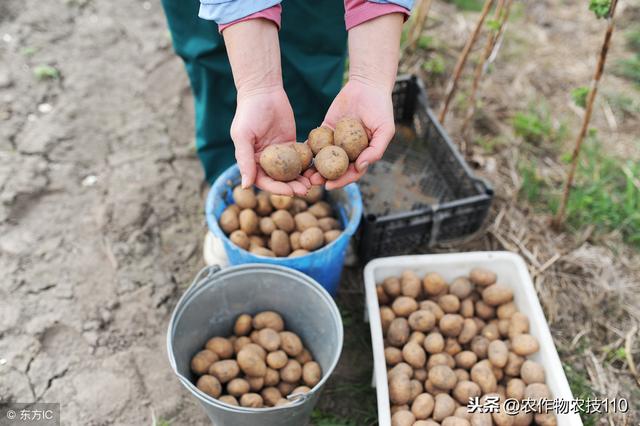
[{"x": 313, "y": 42}]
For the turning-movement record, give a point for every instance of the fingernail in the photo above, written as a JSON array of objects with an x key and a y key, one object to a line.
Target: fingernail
[
  {"x": 363, "y": 166},
  {"x": 245, "y": 183}
]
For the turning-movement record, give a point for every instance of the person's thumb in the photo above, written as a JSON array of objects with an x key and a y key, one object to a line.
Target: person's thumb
[{"x": 246, "y": 161}]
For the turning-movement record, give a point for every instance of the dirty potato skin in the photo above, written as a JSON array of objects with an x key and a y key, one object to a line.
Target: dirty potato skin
[
  {"x": 319, "y": 138},
  {"x": 350, "y": 136},
  {"x": 331, "y": 162},
  {"x": 305, "y": 154},
  {"x": 281, "y": 162}
]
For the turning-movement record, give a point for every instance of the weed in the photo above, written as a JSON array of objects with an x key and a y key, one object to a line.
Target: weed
[
  {"x": 536, "y": 127},
  {"x": 623, "y": 103},
  {"x": 579, "y": 96},
  {"x": 468, "y": 5},
  {"x": 490, "y": 145},
  {"x": 600, "y": 7},
  {"x": 434, "y": 65},
  {"x": 533, "y": 185},
  {"x": 162, "y": 422},
  {"x": 46, "y": 72},
  {"x": 581, "y": 391},
  {"x": 28, "y": 51},
  {"x": 633, "y": 39},
  {"x": 629, "y": 68},
  {"x": 425, "y": 42},
  {"x": 320, "y": 418}
]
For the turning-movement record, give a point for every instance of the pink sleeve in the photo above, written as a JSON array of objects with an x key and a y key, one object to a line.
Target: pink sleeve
[
  {"x": 359, "y": 11},
  {"x": 272, "y": 14}
]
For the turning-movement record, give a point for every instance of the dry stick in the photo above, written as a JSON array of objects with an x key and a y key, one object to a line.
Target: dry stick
[
  {"x": 593, "y": 90},
  {"x": 418, "y": 23},
  {"x": 463, "y": 59}
]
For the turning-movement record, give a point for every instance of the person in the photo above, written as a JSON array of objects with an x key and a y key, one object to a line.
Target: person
[{"x": 270, "y": 73}]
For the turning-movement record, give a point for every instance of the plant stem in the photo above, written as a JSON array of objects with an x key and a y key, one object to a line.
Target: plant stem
[
  {"x": 419, "y": 23},
  {"x": 593, "y": 90},
  {"x": 462, "y": 59}
]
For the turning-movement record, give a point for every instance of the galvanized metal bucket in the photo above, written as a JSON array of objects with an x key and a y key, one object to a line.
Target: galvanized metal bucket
[{"x": 209, "y": 308}]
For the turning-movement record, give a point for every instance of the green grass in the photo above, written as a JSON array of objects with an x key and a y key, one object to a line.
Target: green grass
[
  {"x": 623, "y": 103},
  {"x": 468, "y": 5},
  {"x": 46, "y": 72},
  {"x": 579, "y": 96},
  {"x": 629, "y": 68},
  {"x": 633, "y": 38},
  {"x": 435, "y": 65},
  {"x": 425, "y": 42},
  {"x": 536, "y": 127},
  {"x": 581, "y": 390},
  {"x": 320, "y": 418},
  {"x": 600, "y": 7}
]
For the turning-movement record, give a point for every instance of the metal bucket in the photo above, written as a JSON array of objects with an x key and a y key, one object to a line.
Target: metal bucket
[{"x": 209, "y": 308}]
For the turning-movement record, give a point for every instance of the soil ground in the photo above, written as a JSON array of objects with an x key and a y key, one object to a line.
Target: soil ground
[{"x": 101, "y": 215}]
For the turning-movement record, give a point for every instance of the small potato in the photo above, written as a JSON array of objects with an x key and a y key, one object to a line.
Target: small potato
[
  {"x": 319, "y": 138},
  {"x": 506, "y": 310},
  {"x": 285, "y": 388},
  {"x": 298, "y": 253},
  {"x": 283, "y": 220},
  {"x": 524, "y": 345},
  {"x": 451, "y": 324},
  {"x": 282, "y": 401},
  {"x": 433, "y": 307},
  {"x": 350, "y": 135},
  {"x": 403, "y": 369},
  {"x": 279, "y": 243},
  {"x": 201, "y": 362},
  {"x": 320, "y": 209},
  {"x": 248, "y": 221},
  {"x": 281, "y": 162},
  {"x": 228, "y": 399},
  {"x": 519, "y": 325},
  {"x": 444, "y": 407},
  {"x": 465, "y": 390},
  {"x": 398, "y": 332},
  {"x": 272, "y": 377},
  {"x": 220, "y": 346},
  {"x": 331, "y": 236},
  {"x": 546, "y": 419},
  {"x": 498, "y": 353},
  {"x": 443, "y": 377},
  {"x": 312, "y": 239},
  {"x": 267, "y": 225},
  {"x": 209, "y": 385},
  {"x": 306, "y": 220},
  {"x": 414, "y": 355},
  {"x": 503, "y": 327},
  {"x": 255, "y": 383},
  {"x": 251, "y": 363},
  {"x": 240, "y": 343},
  {"x": 225, "y": 370},
  {"x": 252, "y": 400},
  {"x": 426, "y": 423},
  {"x": 242, "y": 326},
  {"x": 268, "y": 319},
  {"x": 311, "y": 373},
  {"x": 449, "y": 303},
  {"x": 484, "y": 311},
  {"x": 481, "y": 419},
  {"x": 256, "y": 241},
  {"x": 434, "y": 343},
  {"x": 263, "y": 205},
  {"x": 482, "y": 277},
  {"x": 399, "y": 389},
  {"x": 465, "y": 359},
  {"x": 441, "y": 358},
  {"x": 433, "y": 390},
  {"x": 402, "y": 418},
  {"x": 417, "y": 337},
  {"x": 468, "y": 332},
  {"x": 269, "y": 339},
  {"x": 331, "y": 162},
  {"x": 386, "y": 316},
  {"x": 314, "y": 194},
  {"x": 304, "y": 356},
  {"x": 501, "y": 417},
  {"x": 291, "y": 343},
  {"x": 462, "y": 374},
  {"x": 480, "y": 346},
  {"x": 270, "y": 395},
  {"x": 238, "y": 387},
  {"x": 299, "y": 206},
  {"x": 455, "y": 421},
  {"x": 393, "y": 355},
  {"x": 515, "y": 389},
  {"x": 467, "y": 309},
  {"x": 327, "y": 223},
  {"x": 244, "y": 198},
  {"x": 461, "y": 287},
  {"x": 537, "y": 391},
  {"x": 514, "y": 364},
  {"x": 240, "y": 239},
  {"x": 410, "y": 284},
  {"x": 422, "y": 320},
  {"x": 291, "y": 372},
  {"x": 281, "y": 202},
  {"x": 404, "y": 306},
  {"x": 452, "y": 347},
  {"x": 523, "y": 418},
  {"x": 294, "y": 240},
  {"x": 416, "y": 389},
  {"x": 305, "y": 154},
  {"x": 261, "y": 251},
  {"x": 483, "y": 376},
  {"x": 490, "y": 331},
  {"x": 434, "y": 284},
  {"x": 497, "y": 294},
  {"x": 229, "y": 221},
  {"x": 420, "y": 374},
  {"x": 422, "y": 406},
  {"x": 532, "y": 372}
]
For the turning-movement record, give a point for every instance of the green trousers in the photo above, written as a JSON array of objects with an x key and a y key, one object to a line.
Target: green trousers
[{"x": 313, "y": 45}]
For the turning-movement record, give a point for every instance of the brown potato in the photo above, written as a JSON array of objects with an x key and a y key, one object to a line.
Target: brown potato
[
  {"x": 283, "y": 220},
  {"x": 524, "y": 344},
  {"x": 269, "y": 339},
  {"x": 320, "y": 209},
  {"x": 519, "y": 325},
  {"x": 350, "y": 135},
  {"x": 305, "y": 220},
  {"x": 462, "y": 375},
  {"x": 256, "y": 241},
  {"x": 229, "y": 220},
  {"x": 417, "y": 337},
  {"x": 398, "y": 332},
  {"x": 399, "y": 389},
  {"x": 311, "y": 373},
  {"x": 443, "y": 377},
  {"x": 240, "y": 239},
  {"x": 281, "y": 162},
  {"x": 291, "y": 372},
  {"x": 481, "y": 419},
  {"x": 449, "y": 303},
  {"x": 455, "y": 421},
  {"x": 268, "y": 319},
  {"x": 281, "y": 202},
  {"x": 480, "y": 346},
  {"x": 490, "y": 331},
  {"x": 294, "y": 240},
  {"x": 285, "y": 388},
  {"x": 434, "y": 284},
  {"x": 304, "y": 356},
  {"x": 331, "y": 236},
  {"x": 484, "y": 311},
  {"x": 252, "y": 400},
  {"x": 444, "y": 407},
  {"x": 422, "y": 320},
  {"x": 224, "y": 370},
  {"x": 402, "y": 418},
  {"x": 546, "y": 419},
  {"x": 461, "y": 287},
  {"x": 244, "y": 198},
  {"x": 220, "y": 346},
  {"x": 514, "y": 364},
  {"x": 240, "y": 343},
  {"x": 441, "y": 358},
  {"x": 414, "y": 355},
  {"x": 537, "y": 391},
  {"x": 228, "y": 399},
  {"x": 501, "y": 417},
  {"x": 392, "y": 286},
  {"x": 242, "y": 326},
  {"x": 433, "y": 307},
  {"x": 422, "y": 406},
  {"x": 312, "y": 239},
  {"x": 515, "y": 389},
  {"x": 393, "y": 355},
  {"x": 279, "y": 243},
  {"x": 416, "y": 389},
  {"x": 331, "y": 162},
  {"x": 451, "y": 324},
  {"x": 410, "y": 284},
  {"x": 482, "y": 277},
  {"x": 270, "y": 395},
  {"x": 506, "y": 310},
  {"x": 503, "y": 327},
  {"x": 465, "y": 359},
  {"x": 248, "y": 221},
  {"x": 452, "y": 347},
  {"x": 291, "y": 343},
  {"x": 314, "y": 194},
  {"x": 483, "y": 376},
  {"x": 467, "y": 309},
  {"x": 426, "y": 423},
  {"x": 523, "y": 418},
  {"x": 201, "y": 362},
  {"x": 532, "y": 372},
  {"x": 282, "y": 401},
  {"x": 465, "y": 390},
  {"x": 263, "y": 205},
  {"x": 498, "y": 353},
  {"x": 386, "y": 316},
  {"x": 299, "y": 206},
  {"x": 497, "y": 294},
  {"x": 251, "y": 363},
  {"x": 209, "y": 385},
  {"x": 404, "y": 306},
  {"x": 402, "y": 368},
  {"x": 267, "y": 225},
  {"x": 468, "y": 332},
  {"x": 434, "y": 343},
  {"x": 238, "y": 387},
  {"x": 272, "y": 377},
  {"x": 261, "y": 251},
  {"x": 327, "y": 223},
  {"x": 305, "y": 154},
  {"x": 319, "y": 138}
]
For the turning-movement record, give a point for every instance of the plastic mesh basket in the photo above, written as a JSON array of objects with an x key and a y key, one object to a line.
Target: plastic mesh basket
[{"x": 422, "y": 192}]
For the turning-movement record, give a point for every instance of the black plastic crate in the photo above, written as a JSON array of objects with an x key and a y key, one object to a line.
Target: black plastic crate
[{"x": 422, "y": 192}]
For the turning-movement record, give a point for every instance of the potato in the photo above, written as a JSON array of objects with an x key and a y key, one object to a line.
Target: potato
[
  {"x": 482, "y": 277},
  {"x": 256, "y": 241},
  {"x": 320, "y": 209},
  {"x": 298, "y": 253},
  {"x": 305, "y": 154},
  {"x": 402, "y": 368},
  {"x": 399, "y": 389},
  {"x": 465, "y": 359},
  {"x": 350, "y": 135},
  {"x": 311, "y": 373},
  {"x": 483, "y": 375},
  {"x": 481, "y": 419},
  {"x": 468, "y": 332},
  {"x": 251, "y": 363},
  {"x": 434, "y": 284},
  {"x": 462, "y": 412},
  {"x": 490, "y": 331},
  {"x": 434, "y": 343},
  {"x": 285, "y": 388},
  {"x": 430, "y": 305},
  {"x": 261, "y": 251},
  {"x": 299, "y": 205},
  {"x": 444, "y": 407},
  {"x": 398, "y": 332},
  {"x": 422, "y": 320},
  {"x": 546, "y": 419},
  {"x": 220, "y": 346},
  {"x": 283, "y": 220},
  {"x": 465, "y": 390},
  {"x": 410, "y": 284},
  {"x": 331, "y": 162},
  {"x": 386, "y": 316},
  {"x": 514, "y": 364},
  {"x": 312, "y": 239},
  {"x": 279, "y": 243},
  {"x": 272, "y": 377},
  {"x": 524, "y": 344},
  {"x": 451, "y": 324},
  {"x": 269, "y": 339},
  {"x": 467, "y": 309},
  {"x": 228, "y": 399},
  {"x": 209, "y": 385},
  {"x": 229, "y": 221},
  {"x": 327, "y": 223},
  {"x": 480, "y": 346},
  {"x": 306, "y": 220},
  {"x": 248, "y": 221},
  {"x": 537, "y": 391},
  {"x": 244, "y": 198},
  {"x": 304, "y": 356},
  {"x": 515, "y": 389},
  {"x": 522, "y": 418},
  {"x": 422, "y": 406},
  {"x": 497, "y": 294},
  {"x": 314, "y": 194},
  {"x": 455, "y": 421},
  {"x": 443, "y": 377},
  {"x": 281, "y": 162},
  {"x": 224, "y": 370},
  {"x": 449, "y": 303},
  {"x": 282, "y": 401},
  {"x": 503, "y": 327},
  {"x": 501, "y": 417},
  {"x": 484, "y": 311},
  {"x": 402, "y": 418},
  {"x": 201, "y": 362},
  {"x": 263, "y": 205},
  {"x": 441, "y": 358},
  {"x": 252, "y": 400},
  {"x": 267, "y": 225},
  {"x": 417, "y": 337},
  {"x": 461, "y": 287},
  {"x": 319, "y": 138},
  {"x": 268, "y": 319},
  {"x": 506, "y": 310},
  {"x": 256, "y": 348},
  {"x": 281, "y": 202},
  {"x": 331, "y": 236},
  {"x": 392, "y": 355},
  {"x": 414, "y": 355},
  {"x": 238, "y": 387},
  {"x": 240, "y": 239},
  {"x": 416, "y": 388},
  {"x": 433, "y": 390},
  {"x": 404, "y": 306},
  {"x": 242, "y": 326},
  {"x": 291, "y": 343},
  {"x": 532, "y": 372},
  {"x": 270, "y": 395},
  {"x": 519, "y": 325},
  {"x": 498, "y": 353},
  {"x": 451, "y": 346},
  {"x": 291, "y": 372}
]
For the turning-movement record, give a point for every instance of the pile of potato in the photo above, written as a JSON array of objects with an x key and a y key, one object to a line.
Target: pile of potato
[
  {"x": 278, "y": 225},
  {"x": 259, "y": 366},
  {"x": 330, "y": 151},
  {"x": 448, "y": 342}
]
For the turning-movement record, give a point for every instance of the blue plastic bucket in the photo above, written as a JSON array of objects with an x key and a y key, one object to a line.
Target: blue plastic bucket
[{"x": 324, "y": 265}]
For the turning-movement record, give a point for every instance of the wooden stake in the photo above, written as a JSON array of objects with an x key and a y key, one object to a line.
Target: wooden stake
[
  {"x": 451, "y": 88},
  {"x": 593, "y": 90},
  {"x": 419, "y": 23}
]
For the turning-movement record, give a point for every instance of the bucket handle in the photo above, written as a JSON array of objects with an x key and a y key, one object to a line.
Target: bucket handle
[
  {"x": 204, "y": 275},
  {"x": 300, "y": 397}
]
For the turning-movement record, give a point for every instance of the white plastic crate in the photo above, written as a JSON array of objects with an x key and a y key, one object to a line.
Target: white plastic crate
[{"x": 511, "y": 270}]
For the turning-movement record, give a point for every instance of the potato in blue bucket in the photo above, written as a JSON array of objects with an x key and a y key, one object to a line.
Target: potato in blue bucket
[{"x": 324, "y": 263}]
